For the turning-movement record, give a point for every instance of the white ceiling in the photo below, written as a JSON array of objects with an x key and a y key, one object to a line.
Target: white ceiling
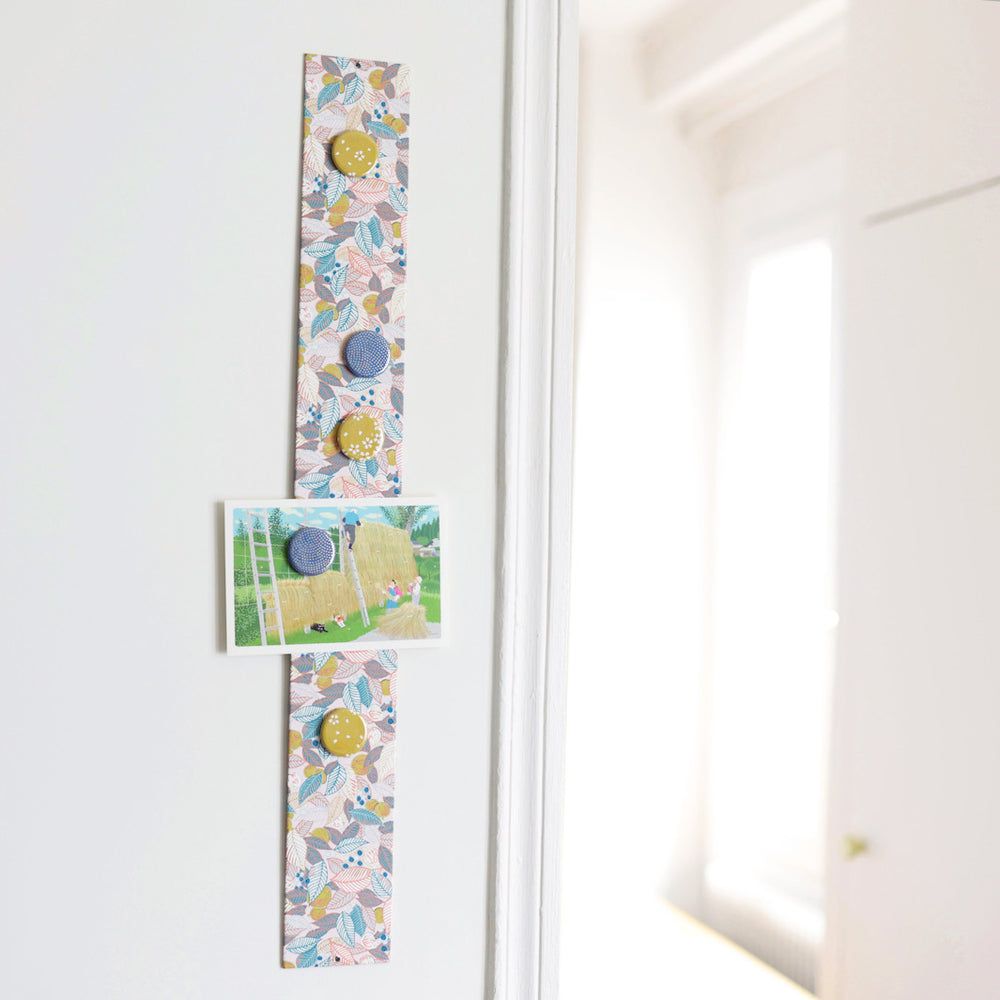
[{"x": 621, "y": 15}]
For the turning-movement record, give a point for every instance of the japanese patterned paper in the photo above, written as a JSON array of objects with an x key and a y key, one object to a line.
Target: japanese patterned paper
[{"x": 338, "y": 886}]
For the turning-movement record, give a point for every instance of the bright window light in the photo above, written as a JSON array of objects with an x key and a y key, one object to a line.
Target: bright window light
[{"x": 773, "y": 623}]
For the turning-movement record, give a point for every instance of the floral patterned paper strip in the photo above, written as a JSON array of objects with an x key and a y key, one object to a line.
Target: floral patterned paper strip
[
  {"x": 353, "y": 269},
  {"x": 338, "y": 883}
]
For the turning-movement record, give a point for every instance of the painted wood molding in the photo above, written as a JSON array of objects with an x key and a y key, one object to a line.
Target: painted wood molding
[{"x": 533, "y": 558}]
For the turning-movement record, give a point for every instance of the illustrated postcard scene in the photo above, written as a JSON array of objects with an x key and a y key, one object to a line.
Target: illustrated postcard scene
[{"x": 352, "y": 574}]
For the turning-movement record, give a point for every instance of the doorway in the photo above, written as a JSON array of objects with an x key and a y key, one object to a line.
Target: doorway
[{"x": 702, "y": 613}]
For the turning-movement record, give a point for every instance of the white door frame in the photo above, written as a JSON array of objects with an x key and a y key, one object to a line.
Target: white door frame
[{"x": 533, "y": 560}]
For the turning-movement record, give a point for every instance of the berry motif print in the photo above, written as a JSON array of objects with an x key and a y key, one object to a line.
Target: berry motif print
[
  {"x": 352, "y": 273},
  {"x": 338, "y": 844}
]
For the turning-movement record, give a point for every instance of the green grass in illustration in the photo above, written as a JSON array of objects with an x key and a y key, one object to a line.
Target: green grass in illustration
[
  {"x": 432, "y": 602},
  {"x": 354, "y": 628},
  {"x": 247, "y": 626}
]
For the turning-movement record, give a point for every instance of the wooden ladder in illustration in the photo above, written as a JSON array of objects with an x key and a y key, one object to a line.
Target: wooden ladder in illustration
[
  {"x": 346, "y": 551},
  {"x": 277, "y": 625}
]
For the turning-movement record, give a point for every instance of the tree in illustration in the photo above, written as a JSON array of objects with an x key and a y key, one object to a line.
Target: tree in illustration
[{"x": 405, "y": 517}]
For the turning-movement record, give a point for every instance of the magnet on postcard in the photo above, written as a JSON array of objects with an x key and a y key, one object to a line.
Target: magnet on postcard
[
  {"x": 360, "y": 436},
  {"x": 354, "y": 153},
  {"x": 367, "y": 353},
  {"x": 342, "y": 732},
  {"x": 310, "y": 551}
]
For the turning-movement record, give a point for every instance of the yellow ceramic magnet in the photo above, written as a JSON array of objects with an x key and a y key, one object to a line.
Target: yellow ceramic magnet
[
  {"x": 354, "y": 153},
  {"x": 360, "y": 436},
  {"x": 342, "y": 732}
]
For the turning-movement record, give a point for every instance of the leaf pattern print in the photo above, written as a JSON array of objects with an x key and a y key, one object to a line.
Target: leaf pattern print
[
  {"x": 353, "y": 270},
  {"x": 338, "y": 848}
]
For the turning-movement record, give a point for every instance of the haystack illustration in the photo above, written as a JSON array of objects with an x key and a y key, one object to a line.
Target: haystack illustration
[
  {"x": 380, "y": 554},
  {"x": 408, "y": 621}
]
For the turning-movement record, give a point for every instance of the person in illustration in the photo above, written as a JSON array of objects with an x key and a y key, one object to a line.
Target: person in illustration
[
  {"x": 350, "y": 522},
  {"x": 415, "y": 589},
  {"x": 394, "y": 594},
  {"x": 339, "y": 621},
  {"x": 316, "y": 627}
]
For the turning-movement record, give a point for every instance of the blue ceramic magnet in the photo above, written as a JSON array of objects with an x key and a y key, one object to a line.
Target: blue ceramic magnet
[
  {"x": 310, "y": 551},
  {"x": 366, "y": 353}
]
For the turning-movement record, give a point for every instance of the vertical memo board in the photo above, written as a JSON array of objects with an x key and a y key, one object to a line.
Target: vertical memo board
[{"x": 338, "y": 883}]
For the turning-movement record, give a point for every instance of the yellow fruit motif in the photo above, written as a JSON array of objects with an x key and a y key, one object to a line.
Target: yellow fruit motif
[
  {"x": 398, "y": 126},
  {"x": 379, "y": 808},
  {"x": 317, "y": 914},
  {"x": 397, "y": 230},
  {"x": 328, "y": 78},
  {"x": 360, "y": 436},
  {"x": 378, "y": 915},
  {"x": 324, "y": 834},
  {"x": 287, "y": 965},
  {"x": 335, "y": 371},
  {"x": 394, "y": 351},
  {"x": 390, "y": 456},
  {"x": 342, "y": 732},
  {"x": 305, "y": 130},
  {"x": 329, "y": 668},
  {"x": 330, "y": 448},
  {"x": 335, "y": 220},
  {"x": 341, "y": 205},
  {"x": 323, "y": 305},
  {"x": 323, "y": 899},
  {"x": 306, "y": 275},
  {"x": 370, "y": 302},
  {"x": 375, "y": 78},
  {"x": 358, "y": 764},
  {"x": 385, "y": 686},
  {"x": 312, "y": 769},
  {"x": 294, "y": 740}
]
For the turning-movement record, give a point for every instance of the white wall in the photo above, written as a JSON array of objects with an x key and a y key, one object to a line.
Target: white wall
[
  {"x": 150, "y": 203},
  {"x": 923, "y": 98},
  {"x": 802, "y": 125}
]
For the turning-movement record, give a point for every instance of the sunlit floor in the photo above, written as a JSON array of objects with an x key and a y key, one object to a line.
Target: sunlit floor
[{"x": 662, "y": 953}]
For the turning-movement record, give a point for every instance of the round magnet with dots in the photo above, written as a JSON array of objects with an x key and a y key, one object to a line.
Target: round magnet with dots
[
  {"x": 354, "y": 153},
  {"x": 342, "y": 732},
  {"x": 367, "y": 353},
  {"x": 310, "y": 551},
  {"x": 360, "y": 436}
]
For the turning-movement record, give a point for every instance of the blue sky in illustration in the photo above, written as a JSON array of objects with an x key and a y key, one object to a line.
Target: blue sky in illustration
[{"x": 329, "y": 517}]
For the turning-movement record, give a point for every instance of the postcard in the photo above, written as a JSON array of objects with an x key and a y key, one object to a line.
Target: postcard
[{"x": 332, "y": 574}]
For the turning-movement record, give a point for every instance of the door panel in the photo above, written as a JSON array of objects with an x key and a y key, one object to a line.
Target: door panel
[{"x": 918, "y": 745}]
